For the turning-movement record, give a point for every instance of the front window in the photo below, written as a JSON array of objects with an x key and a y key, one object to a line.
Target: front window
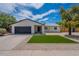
[{"x": 55, "y": 28}]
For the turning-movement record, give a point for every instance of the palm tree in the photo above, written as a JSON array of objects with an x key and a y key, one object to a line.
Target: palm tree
[{"x": 70, "y": 17}]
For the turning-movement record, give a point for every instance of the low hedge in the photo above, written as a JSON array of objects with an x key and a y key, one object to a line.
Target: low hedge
[{"x": 2, "y": 31}]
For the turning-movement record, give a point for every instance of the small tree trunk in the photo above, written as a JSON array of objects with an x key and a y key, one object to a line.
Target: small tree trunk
[{"x": 70, "y": 30}]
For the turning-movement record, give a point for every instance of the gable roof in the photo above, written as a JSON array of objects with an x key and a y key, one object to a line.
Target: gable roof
[{"x": 29, "y": 20}]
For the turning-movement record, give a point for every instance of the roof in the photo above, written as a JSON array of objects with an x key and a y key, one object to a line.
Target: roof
[
  {"x": 48, "y": 24},
  {"x": 29, "y": 20},
  {"x": 52, "y": 24}
]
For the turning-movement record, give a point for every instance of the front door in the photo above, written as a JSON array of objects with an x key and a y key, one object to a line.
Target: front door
[{"x": 38, "y": 29}]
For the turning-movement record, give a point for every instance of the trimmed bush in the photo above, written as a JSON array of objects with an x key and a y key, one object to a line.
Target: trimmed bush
[{"x": 2, "y": 31}]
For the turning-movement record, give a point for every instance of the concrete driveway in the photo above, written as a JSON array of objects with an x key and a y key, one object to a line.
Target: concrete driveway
[{"x": 11, "y": 41}]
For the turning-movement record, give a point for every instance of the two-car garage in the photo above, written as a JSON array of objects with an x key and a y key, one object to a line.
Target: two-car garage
[{"x": 23, "y": 30}]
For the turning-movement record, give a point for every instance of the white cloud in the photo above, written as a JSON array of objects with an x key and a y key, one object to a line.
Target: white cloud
[
  {"x": 45, "y": 19},
  {"x": 7, "y": 7},
  {"x": 48, "y": 12},
  {"x": 39, "y": 16},
  {"x": 25, "y": 14},
  {"x": 37, "y": 5},
  {"x": 10, "y": 7},
  {"x": 36, "y": 17},
  {"x": 34, "y": 5}
]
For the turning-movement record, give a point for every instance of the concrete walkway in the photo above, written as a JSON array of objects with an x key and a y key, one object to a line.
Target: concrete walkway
[
  {"x": 49, "y": 46},
  {"x": 63, "y": 33},
  {"x": 11, "y": 41},
  {"x": 40, "y": 53},
  {"x": 44, "y": 50}
]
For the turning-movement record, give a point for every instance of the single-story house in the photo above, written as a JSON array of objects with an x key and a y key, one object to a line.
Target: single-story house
[{"x": 27, "y": 26}]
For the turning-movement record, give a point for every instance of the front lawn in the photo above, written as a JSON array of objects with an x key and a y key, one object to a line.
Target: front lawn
[{"x": 49, "y": 39}]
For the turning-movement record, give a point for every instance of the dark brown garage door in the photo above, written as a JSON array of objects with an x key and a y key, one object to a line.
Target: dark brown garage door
[{"x": 23, "y": 30}]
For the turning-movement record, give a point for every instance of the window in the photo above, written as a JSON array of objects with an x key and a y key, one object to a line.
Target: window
[{"x": 55, "y": 28}]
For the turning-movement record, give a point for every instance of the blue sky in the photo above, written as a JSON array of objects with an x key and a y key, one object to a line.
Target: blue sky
[{"x": 41, "y": 12}]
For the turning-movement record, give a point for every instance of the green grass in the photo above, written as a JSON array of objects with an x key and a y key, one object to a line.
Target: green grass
[{"x": 49, "y": 39}]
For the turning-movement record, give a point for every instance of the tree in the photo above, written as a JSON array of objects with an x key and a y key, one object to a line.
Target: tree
[
  {"x": 6, "y": 20},
  {"x": 70, "y": 17}
]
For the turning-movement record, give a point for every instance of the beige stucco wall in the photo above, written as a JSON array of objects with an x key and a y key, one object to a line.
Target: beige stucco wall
[{"x": 25, "y": 23}]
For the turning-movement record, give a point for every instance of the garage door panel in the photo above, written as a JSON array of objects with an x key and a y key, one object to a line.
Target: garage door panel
[{"x": 23, "y": 30}]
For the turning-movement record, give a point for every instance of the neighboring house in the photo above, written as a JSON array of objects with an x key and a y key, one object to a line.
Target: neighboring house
[
  {"x": 64, "y": 29},
  {"x": 27, "y": 26},
  {"x": 51, "y": 27}
]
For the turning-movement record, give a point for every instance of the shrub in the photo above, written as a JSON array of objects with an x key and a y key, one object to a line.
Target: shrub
[{"x": 2, "y": 31}]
